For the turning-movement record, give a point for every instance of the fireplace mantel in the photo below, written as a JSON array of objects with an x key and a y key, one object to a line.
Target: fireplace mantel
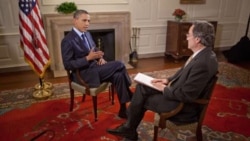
[{"x": 56, "y": 24}]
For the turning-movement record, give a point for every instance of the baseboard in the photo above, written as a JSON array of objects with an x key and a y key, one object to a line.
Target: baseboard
[
  {"x": 15, "y": 69},
  {"x": 218, "y": 49},
  {"x": 150, "y": 55}
]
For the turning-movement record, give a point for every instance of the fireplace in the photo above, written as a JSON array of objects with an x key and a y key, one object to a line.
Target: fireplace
[{"x": 119, "y": 22}]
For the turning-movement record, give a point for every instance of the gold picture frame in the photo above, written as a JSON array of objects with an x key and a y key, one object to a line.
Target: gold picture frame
[{"x": 192, "y": 1}]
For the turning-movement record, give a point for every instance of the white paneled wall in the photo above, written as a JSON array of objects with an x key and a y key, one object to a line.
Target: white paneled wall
[
  {"x": 11, "y": 55},
  {"x": 152, "y": 40},
  {"x": 149, "y": 15}
]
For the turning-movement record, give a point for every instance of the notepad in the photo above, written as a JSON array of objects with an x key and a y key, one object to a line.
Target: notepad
[{"x": 145, "y": 80}]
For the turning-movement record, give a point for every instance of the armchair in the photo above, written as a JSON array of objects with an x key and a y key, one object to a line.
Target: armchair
[
  {"x": 84, "y": 88},
  {"x": 161, "y": 119}
]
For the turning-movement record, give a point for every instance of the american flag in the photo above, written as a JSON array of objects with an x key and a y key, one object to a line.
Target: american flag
[{"x": 32, "y": 37}]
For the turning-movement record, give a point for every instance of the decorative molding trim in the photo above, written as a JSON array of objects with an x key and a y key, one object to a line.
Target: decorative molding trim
[
  {"x": 150, "y": 55},
  {"x": 150, "y": 26},
  {"x": 15, "y": 69},
  {"x": 192, "y": 1},
  {"x": 10, "y": 34},
  {"x": 52, "y": 2}
]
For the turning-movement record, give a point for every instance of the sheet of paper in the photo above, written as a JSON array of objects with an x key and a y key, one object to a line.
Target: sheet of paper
[{"x": 145, "y": 79}]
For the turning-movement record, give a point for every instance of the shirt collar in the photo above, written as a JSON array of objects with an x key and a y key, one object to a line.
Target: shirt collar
[
  {"x": 195, "y": 53},
  {"x": 79, "y": 33}
]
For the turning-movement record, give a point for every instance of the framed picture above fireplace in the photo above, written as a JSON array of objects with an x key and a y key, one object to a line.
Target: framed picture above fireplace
[{"x": 192, "y": 1}]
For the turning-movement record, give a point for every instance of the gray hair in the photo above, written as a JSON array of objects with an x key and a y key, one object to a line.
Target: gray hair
[
  {"x": 79, "y": 12},
  {"x": 205, "y": 31}
]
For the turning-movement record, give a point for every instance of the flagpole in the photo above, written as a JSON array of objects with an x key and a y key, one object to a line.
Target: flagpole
[{"x": 41, "y": 82}]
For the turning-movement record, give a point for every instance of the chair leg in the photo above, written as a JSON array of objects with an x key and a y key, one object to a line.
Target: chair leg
[
  {"x": 155, "y": 133},
  {"x": 112, "y": 94},
  {"x": 199, "y": 126},
  {"x": 199, "y": 132},
  {"x": 83, "y": 97},
  {"x": 94, "y": 99},
  {"x": 71, "y": 100}
]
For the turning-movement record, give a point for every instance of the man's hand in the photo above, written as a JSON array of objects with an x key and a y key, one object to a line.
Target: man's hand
[
  {"x": 163, "y": 81},
  {"x": 160, "y": 83},
  {"x": 159, "y": 86},
  {"x": 94, "y": 55},
  {"x": 101, "y": 61}
]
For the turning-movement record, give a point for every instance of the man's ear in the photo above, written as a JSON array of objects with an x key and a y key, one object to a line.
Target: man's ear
[{"x": 197, "y": 40}]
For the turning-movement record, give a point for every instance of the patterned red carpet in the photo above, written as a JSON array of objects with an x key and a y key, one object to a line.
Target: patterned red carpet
[
  {"x": 229, "y": 113},
  {"x": 60, "y": 124}
]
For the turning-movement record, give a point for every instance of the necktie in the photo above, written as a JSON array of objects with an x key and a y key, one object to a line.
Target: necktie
[
  {"x": 85, "y": 41},
  {"x": 177, "y": 77},
  {"x": 188, "y": 61}
]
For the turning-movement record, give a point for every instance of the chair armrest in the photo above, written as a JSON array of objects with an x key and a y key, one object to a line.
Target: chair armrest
[
  {"x": 201, "y": 101},
  {"x": 166, "y": 115}
]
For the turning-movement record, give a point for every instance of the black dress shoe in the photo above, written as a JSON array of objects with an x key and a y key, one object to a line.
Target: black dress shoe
[{"x": 123, "y": 131}]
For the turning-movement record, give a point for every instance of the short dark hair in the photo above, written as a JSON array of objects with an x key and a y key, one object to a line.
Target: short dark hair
[
  {"x": 205, "y": 31},
  {"x": 79, "y": 12}
]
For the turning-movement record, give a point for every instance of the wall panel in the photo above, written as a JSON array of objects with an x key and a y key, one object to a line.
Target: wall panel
[
  {"x": 230, "y": 10},
  {"x": 152, "y": 40},
  {"x": 209, "y": 11},
  {"x": 4, "y": 52},
  {"x": 142, "y": 10}
]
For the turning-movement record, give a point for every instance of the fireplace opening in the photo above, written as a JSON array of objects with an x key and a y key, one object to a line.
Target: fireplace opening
[{"x": 105, "y": 41}]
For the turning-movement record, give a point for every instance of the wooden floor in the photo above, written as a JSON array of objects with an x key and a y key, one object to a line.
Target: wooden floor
[{"x": 24, "y": 79}]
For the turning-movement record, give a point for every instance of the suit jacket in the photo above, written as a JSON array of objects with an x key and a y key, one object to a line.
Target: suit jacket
[
  {"x": 189, "y": 82},
  {"x": 74, "y": 51},
  {"x": 74, "y": 54}
]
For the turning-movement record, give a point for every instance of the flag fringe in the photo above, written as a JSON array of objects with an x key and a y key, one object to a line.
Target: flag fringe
[{"x": 45, "y": 67}]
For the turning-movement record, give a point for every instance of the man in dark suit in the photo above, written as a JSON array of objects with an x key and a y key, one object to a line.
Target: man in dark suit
[
  {"x": 185, "y": 86},
  {"x": 79, "y": 52}
]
